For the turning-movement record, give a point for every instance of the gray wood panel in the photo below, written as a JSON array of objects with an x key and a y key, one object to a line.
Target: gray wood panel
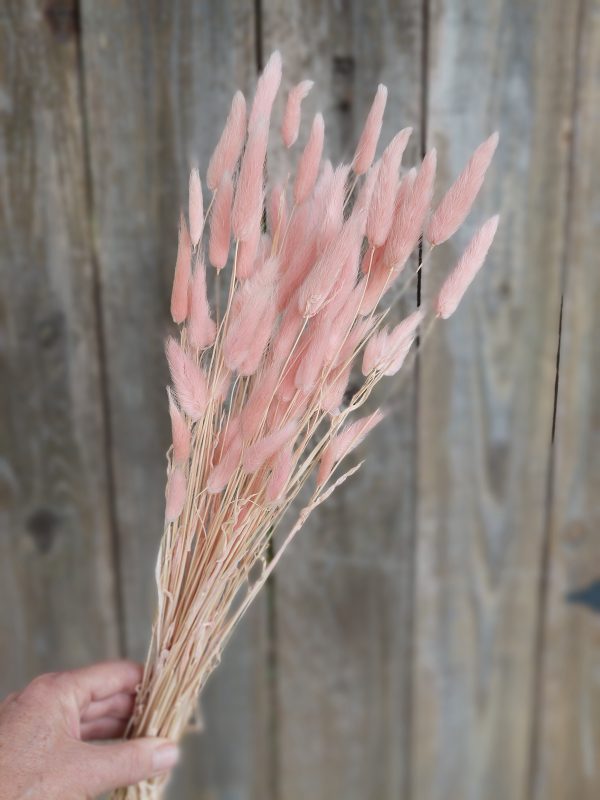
[
  {"x": 486, "y": 398},
  {"x": 567, "y": 758},
  {"x": 57, "y": 587},
  {"x": 159, "y": 78},
  {"x": 342, "y": 595}
]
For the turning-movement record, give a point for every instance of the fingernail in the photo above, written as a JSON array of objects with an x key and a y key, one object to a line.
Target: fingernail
[{"x": 165, "y": 757}]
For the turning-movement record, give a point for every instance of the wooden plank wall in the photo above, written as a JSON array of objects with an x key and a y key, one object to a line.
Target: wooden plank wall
[{"x": 434, "y": 633}]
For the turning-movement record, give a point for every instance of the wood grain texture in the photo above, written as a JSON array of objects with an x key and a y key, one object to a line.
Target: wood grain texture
[
  {"x": 486, "y": 398},
  {"x": 567, "y": 762},
  {"x": 342, "y": 595},
  {"x": 57, "y": 599},
  {"x": 159, "y": 81}
]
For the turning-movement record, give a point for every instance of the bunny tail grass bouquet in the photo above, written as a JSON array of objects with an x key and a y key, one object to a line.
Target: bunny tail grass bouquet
[{"x": 260, "y": 406}]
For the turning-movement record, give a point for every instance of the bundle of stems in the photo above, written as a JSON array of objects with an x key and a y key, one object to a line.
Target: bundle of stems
[{"x": 259, "y": 404}]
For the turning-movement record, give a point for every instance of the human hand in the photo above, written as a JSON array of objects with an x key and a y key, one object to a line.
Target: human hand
[{"x": 45, "y": 732}]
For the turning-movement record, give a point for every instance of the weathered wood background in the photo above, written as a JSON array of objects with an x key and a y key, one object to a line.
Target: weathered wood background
[{"x": 435, "y": 631}]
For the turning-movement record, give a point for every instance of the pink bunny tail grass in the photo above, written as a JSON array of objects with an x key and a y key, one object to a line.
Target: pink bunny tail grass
[
  {"x": 345, "y": 442},
  {"x": 332, "y": 394},
  {"x": 247, "y": 204},
  {"x": 247, "y": 254},
  {"x": 229, "y": 147},
  {"x": 469, "y": 264},
  {"x": 317, "y": 287},
  {"x": 201, "y": 328},
  {"x": 175, "y": 494},
  {"x": 253, "y": 413},
  {"x": 195, "y": 207},
  {"x": 266, "y": 91},
  {"x": 408, "y": 224},
  {"x": 251, "y": 302},
  {"x": 365, "y": 194},
  {"x": 283, "y": 464},
  {"x": 458, "y": 200},
  {"x": 221, "y": 474},
  {"x": 220, "y": 223},
  {"x": 183, "y": 272},
  {"x": 308, "y": 166},
  {"x": 260, "y": 339},
  {"x": 332, "y": 211},
  {"x": 367, "y": 144},
  {"x": 179, "y": 431},
  {"x": 256, "y": 455},
  {"x": 381, "y": 208},
  {"x": 291, "y": 117},
  {"x": 313, "y": 359},
  {"x": 190, "y": 384}
]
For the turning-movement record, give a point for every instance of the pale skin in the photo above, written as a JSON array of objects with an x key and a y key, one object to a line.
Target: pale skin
[{"x": 53, "y": 732}]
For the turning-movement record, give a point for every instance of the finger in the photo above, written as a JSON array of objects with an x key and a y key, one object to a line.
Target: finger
[
  {"x": 103, "y": 728},
  {"x": 103, "y": 680},
  {"x": 99, "y": 768},
  {"x": 119, "y": 705}
]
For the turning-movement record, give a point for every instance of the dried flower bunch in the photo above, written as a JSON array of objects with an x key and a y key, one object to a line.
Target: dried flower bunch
[{"x": 259, "y": 405}]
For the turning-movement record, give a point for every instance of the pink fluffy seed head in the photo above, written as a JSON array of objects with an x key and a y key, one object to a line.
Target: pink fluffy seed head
[
  {"x": 317, "y": 287},
  {"x": 458, "y": 200},
  {"x": 183, "y": 272},
  {"x": 397, "y": 357},
  {"x": 332, "y": 394},
  {"x": 266, "y": 91},
  {"x": 256, "y": 455},
  {"x": 180, "y": 432},
  {"x": 374, "y": 352},
  {"x": 229, "y": 147},
  {"x": 253, "y": 413},
  {"x": 407, "y": 327},
  {"x": 365, "y": 194},
  {"x": 190, "y": 383},
  {"x": 308, "y": 165},
  {"x": 220, "y": 224},
  {"x": 175, "y": 493},
  {"x": 248, "y": 256},
  {"x": 381, "y": 209},
  {"x": 221, "y": 473},
  {"x": 195, "y": 207},
  {"x": 291, "y": 117},
  {"x": 331, "y": 218},
  {"x": 248, "y": 202},
  {"x": 313, "y": 359},
  {"x": 367, "y": 144},
  {"x": 469, "y": 264},
  {"x": 201, "y": 328},
  {"x": 283, "y": 464},
  {"x": 260, "y": 340}
]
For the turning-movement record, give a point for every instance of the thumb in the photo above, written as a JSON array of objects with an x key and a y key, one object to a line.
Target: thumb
[{"x": 105, "y": 767}]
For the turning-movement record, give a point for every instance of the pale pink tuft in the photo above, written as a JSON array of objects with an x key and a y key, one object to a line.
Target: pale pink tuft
[
  {"x": 250, "y": 303},
  {"x": 190, "y": 384},
  {"x": 287, "y": 334},
  {"x": 469, "y": 264},
  {"x": 260, "y": 339},
  {"x": 458, "y": 200},
  {"x": 332, "y": 394},
  {"x": 266, "y": 90},
  {"x": 248, "y": 201},
  {"x": 411, "y": 209},
  {"x": 195, "y": 207},
  {"x": 183, "y": 272},
  {"x": 342, "y": 444},
  {"x": 253, "y": 413},
  {"x": 330, "y": 216},
  {"x": 175, "y": 493},
  {"x": 365, "y": 194},
  {"x": 321, "y": 280},
  {"x": 291, "y": 118},
  {"x": 283, "y": 464},
  {"x": 367, "y": 144},
  {"x": 256, "y": 455},
  {"x": 220, "y": 223},
  {"x": 221, "y": 474},
  {"x": 313, "y": 359},
  {"x": 308, "y": 165},
  {"x": 201, "y": 328},
  {"x": 230, "y": 144},
  {"x": 247, "y": 255},
  {"x": 381, "y": 209},
  {"x": 180, "y": 431}
]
